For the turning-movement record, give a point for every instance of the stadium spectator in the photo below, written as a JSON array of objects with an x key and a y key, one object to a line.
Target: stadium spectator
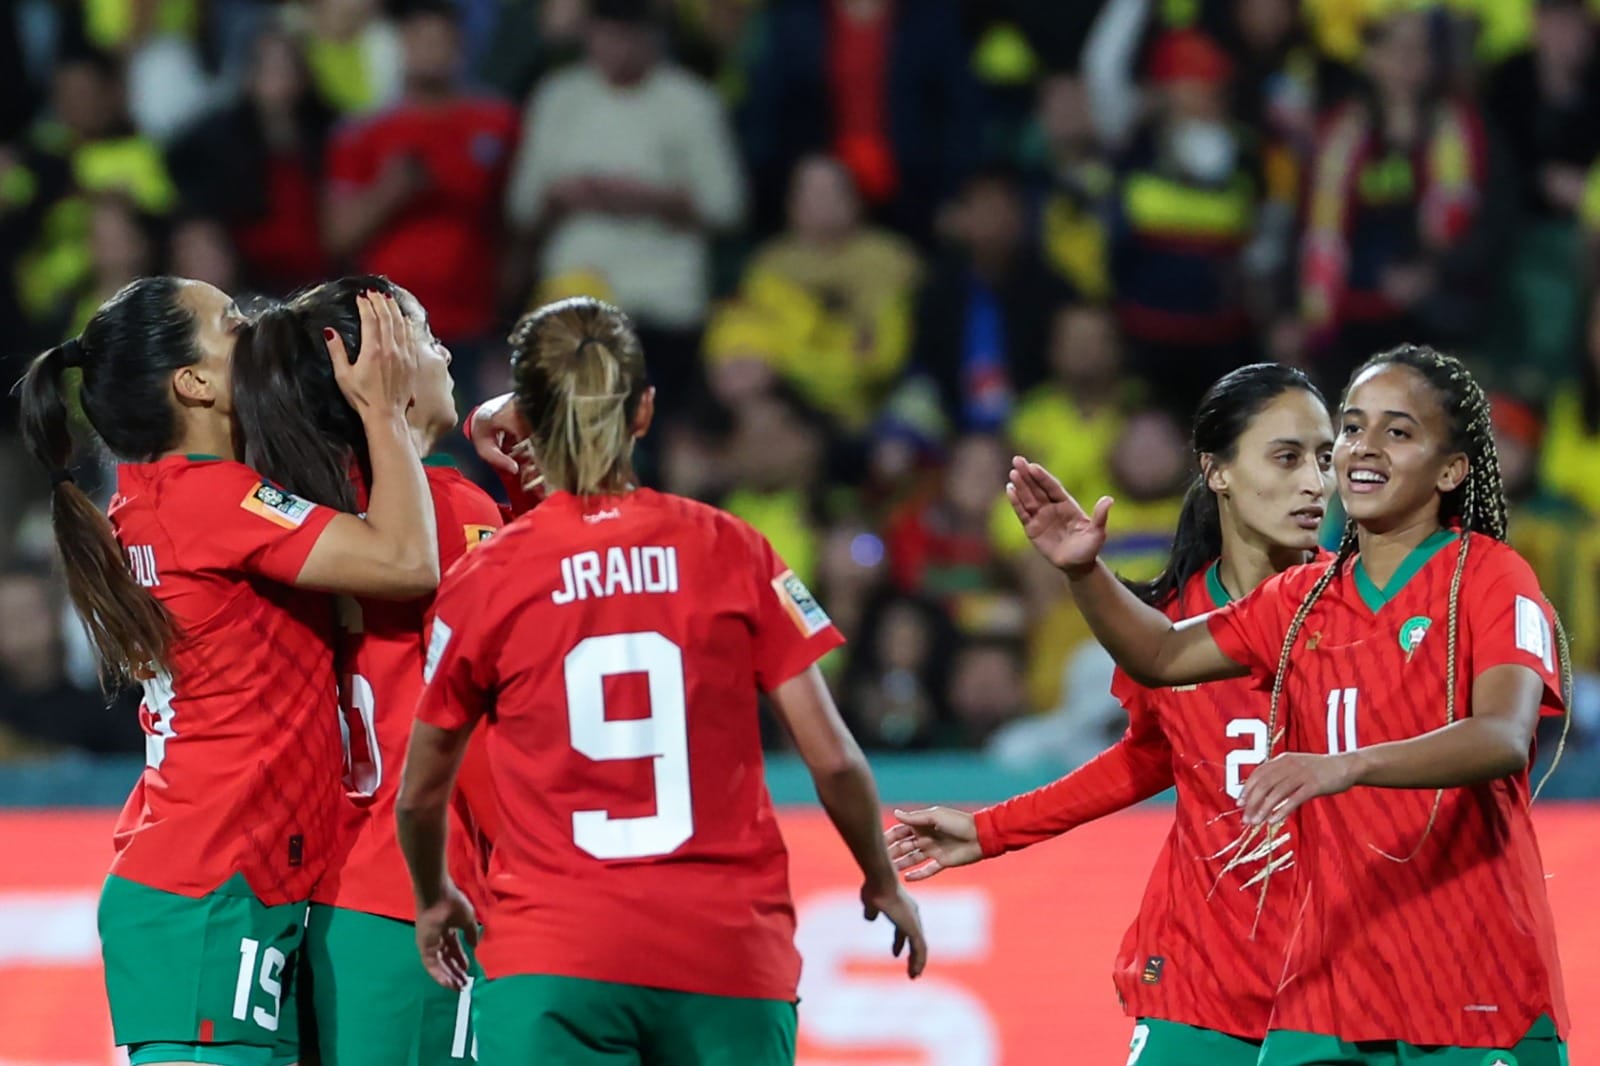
[
  {"x": 1185, "y": 210},
  {"x": 983, "y": 316},
  {"x": 895, "y": 686},
  {"x": 639, "y": 204},
  {"x": 776, "y": 458},
  {"x": 833, "y": 295},
  {"x": 886, "y": 87},
  {"x": 199, "y": 248},
  {"x": 415, "y": 191},
  {"x": 1074, "y": 179},
  {"x": 356, "y": 54},
  {"x": 124, "y": 245},
  {"x": 256, "y": 164},
  {"x": 1572, "y": 439}
]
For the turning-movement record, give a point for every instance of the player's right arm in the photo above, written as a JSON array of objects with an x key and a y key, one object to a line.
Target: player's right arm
[
  {"x": 393, "y": 552},
  {"x": 850, "y": 796},
  {"x": 1132, "y": 770},
  {"x": 1148, "y": 645}
]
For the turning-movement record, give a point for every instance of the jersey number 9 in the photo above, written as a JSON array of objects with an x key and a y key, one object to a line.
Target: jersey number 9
[{"x": 663, "y": 738}]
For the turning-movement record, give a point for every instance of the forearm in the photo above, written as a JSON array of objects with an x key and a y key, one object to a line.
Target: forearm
[
  {"x": 422, "y": 830},
  {"x": 1135, "y": 633},
  {"x": 353, "y": 220},
  {"x": 400, "y": 509},
  {"x": 1114, "y": 780},
  {"x": 1468, "y": 752},
  {"x": 850, "y": 797}
]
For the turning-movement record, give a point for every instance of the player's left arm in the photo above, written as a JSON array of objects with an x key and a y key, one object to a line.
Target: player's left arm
[{"x": 1513, "y": 671}]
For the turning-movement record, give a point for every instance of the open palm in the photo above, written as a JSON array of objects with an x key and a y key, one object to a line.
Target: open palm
[{"x": 1058, "y": 527}]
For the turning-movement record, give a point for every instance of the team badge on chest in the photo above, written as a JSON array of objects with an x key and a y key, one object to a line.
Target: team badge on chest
[{"x": 1412, "y": 632}]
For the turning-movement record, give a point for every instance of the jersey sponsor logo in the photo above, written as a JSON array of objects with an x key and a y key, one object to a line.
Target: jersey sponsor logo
[
  {"x": 603, "y": 516},
  {"x": 1533, "y": 632},
  {"x": 476, "y": 535},
  {"x": 438, "y": 641},
  {"x": 1153, "y": 965},
  {"x": 277, "y": 506},
  {"x": 801, "y": 606},
  {"x": 1412, "y": 632}
]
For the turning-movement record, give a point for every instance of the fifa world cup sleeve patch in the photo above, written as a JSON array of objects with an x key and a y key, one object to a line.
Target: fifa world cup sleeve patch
[
  {"x": 276, "y": 506},
  {"x": 802, "y": 607},
  {"x": 1533, "y": 632},
  {"x": 476, "y": 535},
  {"x": 438, "y": 641}
]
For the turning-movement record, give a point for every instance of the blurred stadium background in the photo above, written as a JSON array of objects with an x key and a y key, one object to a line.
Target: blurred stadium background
[{"x": 874, "y": 246}]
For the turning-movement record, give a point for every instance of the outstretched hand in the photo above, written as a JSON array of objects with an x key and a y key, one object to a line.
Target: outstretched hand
[
  {"x": 1059, "y": 529},
  {"x": 930, "y": 840}
]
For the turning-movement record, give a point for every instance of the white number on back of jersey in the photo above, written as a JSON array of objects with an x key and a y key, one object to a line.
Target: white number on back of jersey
[
  {"x": 158, "y": 701},
  {"x": 1255, "y": 730},
  {"x": 1341, "y": 720},
  {"x": 1141, "y": 1032},
  {"x": 663, "y": 738},
  {"x": 358, "y": 710}
]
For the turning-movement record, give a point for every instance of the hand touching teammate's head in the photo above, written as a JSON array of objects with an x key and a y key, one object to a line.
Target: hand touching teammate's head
[{"x": 579, "y": 378}]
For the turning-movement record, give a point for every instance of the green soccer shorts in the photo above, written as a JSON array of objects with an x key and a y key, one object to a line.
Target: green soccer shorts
[
  {"x": 1541, "y": 1047},
  {"x": 373, "y": 1002},
  {"x": 1159, "y": 1043},
  {"x": 538, "y": 1020},
  {"x": 207, "y": 980}
]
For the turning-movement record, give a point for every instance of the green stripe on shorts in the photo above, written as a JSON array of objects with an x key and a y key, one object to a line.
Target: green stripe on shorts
[{"x": 1284, "y": 1047}]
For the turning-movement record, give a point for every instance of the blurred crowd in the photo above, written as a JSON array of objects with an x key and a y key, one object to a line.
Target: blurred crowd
[{"x": 873, "y": 248}]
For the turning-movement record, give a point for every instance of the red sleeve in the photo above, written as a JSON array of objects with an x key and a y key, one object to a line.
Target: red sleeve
[
  {"x": 458, "y": 682},
  {"x": 237, "y": 521},
  {"x": 1250, "y": 631},
  {"x": 1132, "y": 770},
  {"x": 464, "y": 514},
  {"x": 792, "y": 629},
  {"x": 1512, "y": 624}
]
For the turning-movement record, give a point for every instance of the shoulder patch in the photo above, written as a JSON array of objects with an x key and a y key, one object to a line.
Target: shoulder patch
[
  {"x": 438, "y": 640},
  {"x": 277, "y": 506},
  {"x": 1533, "y": 632},
  {"x": 476, "y": 535},
  {"x": 802, "y": 607}
]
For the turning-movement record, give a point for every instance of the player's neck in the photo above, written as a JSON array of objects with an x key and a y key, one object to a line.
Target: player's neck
[
  {"x": 1248, "y": 561},
  {"x": 210, "y": 436},
  {"x": 1382, "y": 553},
  {"x": 424, "y": 439}
]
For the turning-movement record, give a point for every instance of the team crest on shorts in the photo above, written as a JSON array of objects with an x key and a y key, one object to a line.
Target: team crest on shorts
[
  {"x": 1153, "y": 965},
  {"x": 1500, "y": 1058},
  {"x": 1412, "y": 632},
  {"x": 800, "y": 605},
  {"x": 276, "y": 506}
]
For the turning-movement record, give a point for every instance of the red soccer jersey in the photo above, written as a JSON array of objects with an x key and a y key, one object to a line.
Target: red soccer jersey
[
  {"x": 1196, "y": 953},
  {"x": 442, "y": 244},
  {"x": 616, "y": 647},
  {"x": 380, "y": 681},
  {"x": 1430, "y": 937},
  {"x": 242, "y": 752}
]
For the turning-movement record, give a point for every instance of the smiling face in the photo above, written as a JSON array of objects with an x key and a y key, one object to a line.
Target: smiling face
[
  {"x": 1274, "y": 489},
  {"x": 1394, "y": 457}
]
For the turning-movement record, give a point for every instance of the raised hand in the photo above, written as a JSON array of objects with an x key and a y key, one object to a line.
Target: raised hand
[
  {"x": 496, "y": 430},
  {"x": 1059, "y": 529},
  {"x": 381, "y": 380},
  {"x": 932, "y": 839}
]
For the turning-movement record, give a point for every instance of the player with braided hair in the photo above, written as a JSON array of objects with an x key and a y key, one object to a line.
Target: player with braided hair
[{"x": 1422, "y": 928}]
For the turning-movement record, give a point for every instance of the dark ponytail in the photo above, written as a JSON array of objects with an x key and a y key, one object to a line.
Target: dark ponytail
[
  {"x": 1225, "y": 412},
  {"x": 131, "y": 631},
  {"x": 295, "y": 427}
]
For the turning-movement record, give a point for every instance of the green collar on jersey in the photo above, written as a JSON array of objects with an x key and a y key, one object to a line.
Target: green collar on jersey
[
  {"x": 202, "y": 457},
  {"x": 1376, "y": 598},
  {"x": 439, "y": 459},
  {"x": 1214, "y": 585}
]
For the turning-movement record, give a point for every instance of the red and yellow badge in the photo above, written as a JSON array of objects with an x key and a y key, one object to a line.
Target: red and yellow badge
[
  {"x": 276, "y": 506},
  {"x": 476, "y": 535},
  {"x": 801, "y": 607}
]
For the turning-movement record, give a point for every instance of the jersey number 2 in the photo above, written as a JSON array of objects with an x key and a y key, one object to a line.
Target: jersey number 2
[
  {"x": 663, "y": 738},
  {"x": 1255, "y": 731}
]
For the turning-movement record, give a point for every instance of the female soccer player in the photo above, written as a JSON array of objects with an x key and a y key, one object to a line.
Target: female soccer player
[
  {"x": 1197, "y": 971},
  {"x": 374, "y": 1006},
  {"x": 1418, "y": 662},
  {"x": 616, "y": 639},
  {"x": 202, "y": 587}
]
